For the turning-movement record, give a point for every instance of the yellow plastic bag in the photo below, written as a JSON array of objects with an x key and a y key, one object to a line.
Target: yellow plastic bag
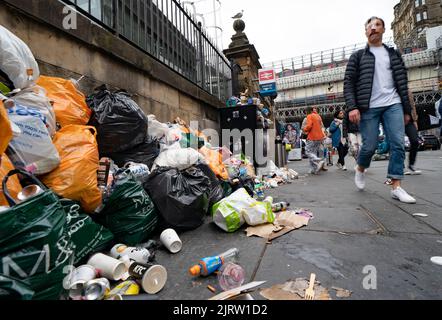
[
  {"x": 215, "y": 161},
  {"x": 5, "y": 129},
  {"x": 14, "y": 186},
  {"x": 76, "y": 177},
  {"x": 69, "y": 104}
]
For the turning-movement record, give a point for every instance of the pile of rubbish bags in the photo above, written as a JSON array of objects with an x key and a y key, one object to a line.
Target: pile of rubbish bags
[{"x": 80, "y": 174}]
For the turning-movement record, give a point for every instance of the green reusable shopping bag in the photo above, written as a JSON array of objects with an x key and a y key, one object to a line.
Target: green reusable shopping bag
[
  {"x": 129, "y": 212},
  {"x": 14, "y": 289},
  {"x": 35, "y": 246},
  {"x": 88, "y": 236}
]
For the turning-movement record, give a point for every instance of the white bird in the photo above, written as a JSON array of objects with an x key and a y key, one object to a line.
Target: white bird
[{"x": 238, "y": 15}]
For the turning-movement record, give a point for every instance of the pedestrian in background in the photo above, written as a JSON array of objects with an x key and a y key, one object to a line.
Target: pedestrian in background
[
  {"x": 315, "y": 136},
  {"x": 411, "y": 130},
  {"x": 353, "y": 135},
  {"x": 376, "y": 90},
  {"x": 338, "y": 139}
]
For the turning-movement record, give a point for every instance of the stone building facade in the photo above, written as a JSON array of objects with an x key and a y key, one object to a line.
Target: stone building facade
[{"x": 411, "y": 20}]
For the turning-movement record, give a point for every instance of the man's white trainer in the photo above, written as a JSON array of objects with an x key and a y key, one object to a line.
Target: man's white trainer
[
  {"x": 402, "y": 195},
  {"x": 359, "y": 179}
]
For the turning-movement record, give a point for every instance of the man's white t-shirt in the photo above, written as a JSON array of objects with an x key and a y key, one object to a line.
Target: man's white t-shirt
[{"x": 384, "y": 92}]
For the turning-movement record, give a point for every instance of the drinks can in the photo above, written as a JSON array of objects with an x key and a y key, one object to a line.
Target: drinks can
[
  {"x": 96, "y": 289},
  {"x": 29, "y": 192}
]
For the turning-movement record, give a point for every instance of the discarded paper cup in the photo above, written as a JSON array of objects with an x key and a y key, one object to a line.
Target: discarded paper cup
[
  {"x": 151, "y": 277},
  {"x": 169, "y": 238},
  {"x": 108, "y": 267}
]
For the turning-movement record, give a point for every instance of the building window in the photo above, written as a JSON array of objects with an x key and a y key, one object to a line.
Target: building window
[
  {"x": 424, "y": 15},
  {"x": 416, "y": 3},
  {"x": 423, "y": 2},
  {"x": 418, "y": 17}
]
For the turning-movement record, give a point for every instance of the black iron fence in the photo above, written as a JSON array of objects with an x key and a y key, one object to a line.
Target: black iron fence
[{"x": 169, "y": 33}]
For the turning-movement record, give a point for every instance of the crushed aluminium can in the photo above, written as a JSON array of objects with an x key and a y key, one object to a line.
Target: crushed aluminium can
[{"x": 96, "y": 289}]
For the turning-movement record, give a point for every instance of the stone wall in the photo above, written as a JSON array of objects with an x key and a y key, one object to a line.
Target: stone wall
[{"x": 103, "y": 58}]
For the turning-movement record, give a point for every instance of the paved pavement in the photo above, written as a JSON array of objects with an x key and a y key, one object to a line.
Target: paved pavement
[{"x": 350, "y": 231}]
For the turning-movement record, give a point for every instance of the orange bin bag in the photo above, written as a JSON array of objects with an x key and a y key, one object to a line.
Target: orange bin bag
[
  {"x": 215, "y": 161},
  {"x": 76, "y": 177},
  {"x": 5, "y": 129},
  {"x": 69, "y": 103},
  {"x": 14, "y": 186}
]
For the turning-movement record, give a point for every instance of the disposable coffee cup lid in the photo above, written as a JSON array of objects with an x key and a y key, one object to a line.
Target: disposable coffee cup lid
[{"x": 154, "y": 279}]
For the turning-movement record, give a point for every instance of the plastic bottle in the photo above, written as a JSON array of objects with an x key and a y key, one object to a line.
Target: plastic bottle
[
  {"x": 280, "y": 206},
  {"x": 231, "y": 276},
  {"x": 209, "y": 265}
]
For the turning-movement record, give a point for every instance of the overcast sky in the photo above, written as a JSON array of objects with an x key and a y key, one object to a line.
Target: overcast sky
[{"x": 282, "y": 29}]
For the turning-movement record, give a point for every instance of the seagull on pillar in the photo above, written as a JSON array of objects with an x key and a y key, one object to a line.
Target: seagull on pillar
[{"x": 238, "y": 15}]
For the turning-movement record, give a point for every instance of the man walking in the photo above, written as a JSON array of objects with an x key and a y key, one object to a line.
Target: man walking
[
  {"x": 376, "y": 91},
  {"x": 315, "y": 135}
]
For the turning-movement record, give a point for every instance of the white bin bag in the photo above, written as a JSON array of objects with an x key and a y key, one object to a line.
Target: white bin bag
[{"x": 17, "y": 60}]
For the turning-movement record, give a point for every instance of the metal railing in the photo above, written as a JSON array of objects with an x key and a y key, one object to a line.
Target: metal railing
[
  {"x": 411, "y": 60},
  {"x": 317, "y": 61},
  {"x": 168, "y": 32}
]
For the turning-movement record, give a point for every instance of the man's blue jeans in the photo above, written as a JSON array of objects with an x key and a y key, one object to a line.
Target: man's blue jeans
[{"x": 392, "y": 119}]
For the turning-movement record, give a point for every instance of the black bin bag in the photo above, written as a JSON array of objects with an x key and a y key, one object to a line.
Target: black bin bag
[
  {"x": 181, "y": 197},
  {"x": 145, "y": 153},
  {"x": 120, "y": 122},
  {"x": 216, "y": 193}
]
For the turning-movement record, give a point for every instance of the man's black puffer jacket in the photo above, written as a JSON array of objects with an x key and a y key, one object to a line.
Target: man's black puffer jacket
[{"x": 358, "y": 82}]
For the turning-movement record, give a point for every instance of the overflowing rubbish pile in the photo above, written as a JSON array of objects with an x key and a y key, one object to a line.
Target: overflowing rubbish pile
[
  {"x": 88, "y": 180},
  {"x": 263, "y": 112}
]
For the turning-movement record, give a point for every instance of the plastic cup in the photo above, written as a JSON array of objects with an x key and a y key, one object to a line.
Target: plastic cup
[
  {"x": 108, "y": 267},
  {"x": 169, "y": 238},
  {"x": 231, "y": 276}
]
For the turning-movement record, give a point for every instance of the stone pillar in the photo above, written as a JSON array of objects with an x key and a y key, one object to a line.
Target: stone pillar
[
  {"x": 245, "y": 65},
  {"x": 244, "y": 54}
]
